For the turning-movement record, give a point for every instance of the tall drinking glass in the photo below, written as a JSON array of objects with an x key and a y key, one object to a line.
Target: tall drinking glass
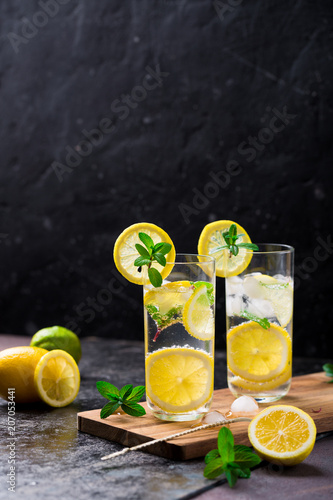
[
  {"x": 259, "y": 312},
  {"x": 179, "y": 319}
]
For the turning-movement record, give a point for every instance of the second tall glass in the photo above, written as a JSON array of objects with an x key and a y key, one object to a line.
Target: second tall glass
[{"x": 259, "y": 310}]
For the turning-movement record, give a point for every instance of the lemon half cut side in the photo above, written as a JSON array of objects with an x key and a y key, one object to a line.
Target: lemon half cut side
[
  {"x": 57, "y": 378},
  {"x": 282, "y": 434}
]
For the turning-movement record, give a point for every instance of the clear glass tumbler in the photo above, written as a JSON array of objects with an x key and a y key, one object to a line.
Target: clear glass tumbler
[
  {"x": 179, "y": 320},
  {"x": 259, "y": 312}
]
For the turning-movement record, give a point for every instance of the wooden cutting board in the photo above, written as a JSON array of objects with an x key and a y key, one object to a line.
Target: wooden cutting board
[{"x": 311, "y": 393}]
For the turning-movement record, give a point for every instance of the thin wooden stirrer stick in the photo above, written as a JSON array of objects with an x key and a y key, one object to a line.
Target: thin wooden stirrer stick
[{"x": 179, "y": 434}]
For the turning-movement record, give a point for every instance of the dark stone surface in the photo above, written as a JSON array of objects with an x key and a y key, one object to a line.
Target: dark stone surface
[
  {"x": 54, "y": 460},
  {"x": 228, "y": 70}
]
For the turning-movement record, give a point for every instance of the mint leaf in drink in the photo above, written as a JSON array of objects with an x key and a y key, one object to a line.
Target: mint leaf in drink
[
  {"x": 127, "y": 397},
  {"x": 263, "y": 322},
  {"x": 235, "y": 461},
  {"x": 162, "y": 248},
  {"x": 155, "y": 277}
]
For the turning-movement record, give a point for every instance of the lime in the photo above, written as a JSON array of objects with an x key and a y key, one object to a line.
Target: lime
[{"x": 57, "y": 337}]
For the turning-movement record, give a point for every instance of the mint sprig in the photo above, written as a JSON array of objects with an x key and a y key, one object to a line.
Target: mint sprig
[
  {"x": 233, "y": 460},
  {"x": 150, "y": 253},
  {"x": 127, "y": 398},
  {"x": 263, "y": 322},
  {"x": 231, "y": 237},
  {"x": 328, "y": 369}
]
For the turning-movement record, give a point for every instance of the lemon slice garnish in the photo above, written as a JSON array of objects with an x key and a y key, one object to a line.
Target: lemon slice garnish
[
  {"x": 211, "y": 239},
  {"x": 125, "y": 253}
]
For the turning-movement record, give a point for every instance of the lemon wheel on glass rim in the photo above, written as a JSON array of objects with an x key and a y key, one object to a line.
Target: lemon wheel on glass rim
[
  {"x": 210, "y": 241},
  {"x": 125, "y": 253},
  {"x": 179, "y": 379}
]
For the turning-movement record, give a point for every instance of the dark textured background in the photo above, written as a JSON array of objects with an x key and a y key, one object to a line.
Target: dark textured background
[{"x": 229, "y": 65}]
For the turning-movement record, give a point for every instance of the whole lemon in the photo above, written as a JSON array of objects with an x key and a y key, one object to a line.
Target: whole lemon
[
  {"x": 58, "y": 337},
  {"x": 17, "y": 368}
]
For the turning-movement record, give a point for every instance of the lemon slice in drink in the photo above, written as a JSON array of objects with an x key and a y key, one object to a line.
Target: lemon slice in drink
[
  {"x": 125, "y": 253},
  {"x": 57, "y": 378},
  {"x": 179, "y": 379},
  {"x": 168, "y": 296},
  {"x": 198, "y": 316},
  {"x": 210, "y": 241},
  {"x": 256, "y": 354},
  {"x": 278, "y": 292},
  {"x": 255, "y": 387},
  {"x": 282, "y": 434}
]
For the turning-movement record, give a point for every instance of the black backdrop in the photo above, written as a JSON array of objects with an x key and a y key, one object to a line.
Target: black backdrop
[{"x": 168, "y": 111}]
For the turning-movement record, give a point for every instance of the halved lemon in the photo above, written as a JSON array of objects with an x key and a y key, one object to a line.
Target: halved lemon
[
  {"x": 278, "y": 292},
  {"x": 125, "y": 253},
  {"x": 168, "y": 296},
  {"x": 282, "y": 434},
  {"x": 256, "y": 354},
  {"x": 179, "y": 379},
  {"x": 210, "y": 241},
  {"x": 57, "y": 378},
  {"x": 198, "y": 317}
]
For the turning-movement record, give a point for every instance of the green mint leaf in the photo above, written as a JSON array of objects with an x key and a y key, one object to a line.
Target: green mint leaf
[
  {"x": 159, "y": 257},
  {"x": 263, "y": 322},
  {"x": 214, "y": 468},
  {"x": 234, "y": 250},
  {"x": 154, "y": 277},
  {"x": 210, "y": 289},
  {"x": 232, "y": 476},
  {"x": 142, "y": 250},
  {"x": 232, "y": 231},
  {"x": 108, "y": 409},
  {"x": 146, "y": 240},
  {"x": 211, "y": 455},
  {"x": 227, "y": 238},
  {"x": 218, "y": 249},
  {"x": 241, "y": 447},
  {"x": 246, "y": 459},
  {"x": 244, "y": 473},
  {"x": 330, "y": 381},
  {"x": 225, "y": 445},
  {"x": 133, "y": 409},
  {"x": 142, "y": 261},
  {"x": 106, "y": 389},
  {"x": 249, "y": 246},
  {"x": 163, "y": 248},
  {"x": 136, "y": 394},
  {"x": 328, "y": 369},
  {"x": 126, "y": 391}
]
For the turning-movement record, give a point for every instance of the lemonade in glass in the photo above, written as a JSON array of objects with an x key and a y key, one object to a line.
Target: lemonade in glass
[{"x": 179, "y": 319}]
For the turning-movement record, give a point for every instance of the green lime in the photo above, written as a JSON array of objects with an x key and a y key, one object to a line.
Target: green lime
[{"x": 57, "y": 337}]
